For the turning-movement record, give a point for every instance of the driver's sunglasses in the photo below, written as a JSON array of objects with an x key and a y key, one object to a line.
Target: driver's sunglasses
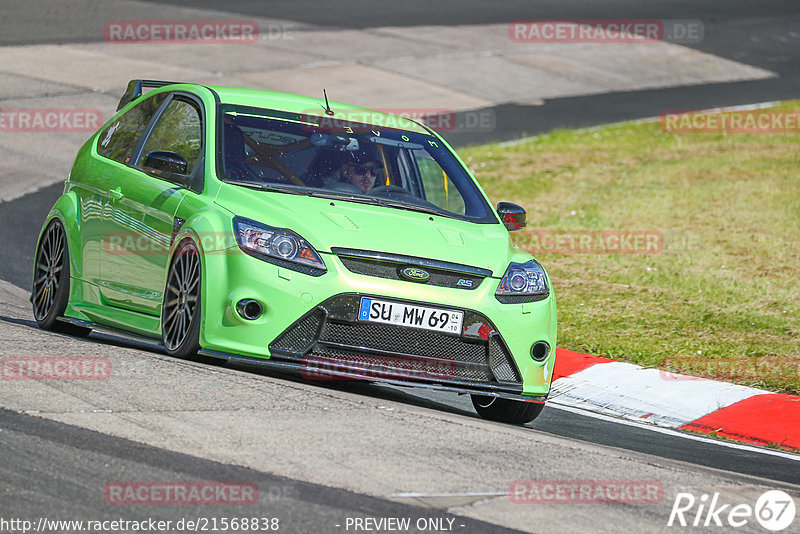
[{"x": 363, "y": 169}]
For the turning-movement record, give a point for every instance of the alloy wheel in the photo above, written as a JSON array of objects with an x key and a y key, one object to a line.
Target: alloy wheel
[
  {"x": 183, "y": 288},
  {"x": 49, "y": 267}
]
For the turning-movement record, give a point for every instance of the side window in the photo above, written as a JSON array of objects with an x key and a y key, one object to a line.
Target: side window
[
  {"x": 178, "y": 130},
  {"x": 120, "y": 139},
  {"x": 439, "y": 188}
]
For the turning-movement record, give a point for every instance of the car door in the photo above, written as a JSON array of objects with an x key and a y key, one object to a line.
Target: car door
[
  {"x": 91, "y": 181},
  {"x": 141, "y": 206}
]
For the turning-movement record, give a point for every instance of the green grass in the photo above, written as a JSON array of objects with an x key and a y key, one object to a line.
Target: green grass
[{"x": 722, "y": 299}]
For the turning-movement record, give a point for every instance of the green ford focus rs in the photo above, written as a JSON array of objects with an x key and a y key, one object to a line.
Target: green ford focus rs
[{"x": 311, "y": 237}]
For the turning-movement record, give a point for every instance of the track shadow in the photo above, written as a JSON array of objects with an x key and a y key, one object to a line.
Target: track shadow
[
  {"x": 20, "y": 322},
  {"x": 370, "y": 389},
  {"x": 373, "y": 390}
]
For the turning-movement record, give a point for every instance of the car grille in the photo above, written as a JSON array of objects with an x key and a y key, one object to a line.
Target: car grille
[
  {"x": 381, "y": 265},
  {"x": 331, "y": 337}
]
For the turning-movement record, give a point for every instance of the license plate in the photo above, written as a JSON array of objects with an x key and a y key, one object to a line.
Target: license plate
[{"x": 381, "y": 311}]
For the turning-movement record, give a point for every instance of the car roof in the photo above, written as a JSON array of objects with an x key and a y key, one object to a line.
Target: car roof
[{"x": 315, "y": 106}]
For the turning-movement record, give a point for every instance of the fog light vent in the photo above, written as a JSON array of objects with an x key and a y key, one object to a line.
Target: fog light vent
[
  {"x": 249, "y": 309},
  {"x": 540, "y": 351}
]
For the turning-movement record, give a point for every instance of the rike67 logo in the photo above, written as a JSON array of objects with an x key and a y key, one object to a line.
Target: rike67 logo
[{"x": 774, "y": 510}]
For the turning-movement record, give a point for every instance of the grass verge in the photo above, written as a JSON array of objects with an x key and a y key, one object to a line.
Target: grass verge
[{"x": 719, "y": 296}]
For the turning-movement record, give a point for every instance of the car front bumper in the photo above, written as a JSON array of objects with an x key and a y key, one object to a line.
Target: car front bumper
[{"x": 310, "y": 324}]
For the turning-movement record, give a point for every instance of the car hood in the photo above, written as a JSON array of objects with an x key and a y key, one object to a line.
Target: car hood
[{"x": 327, "y": 223}]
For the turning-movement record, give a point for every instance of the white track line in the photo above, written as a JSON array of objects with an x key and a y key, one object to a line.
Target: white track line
[
  {"x": 675, "y": 433},
  {"x": 465, "y": 494}
]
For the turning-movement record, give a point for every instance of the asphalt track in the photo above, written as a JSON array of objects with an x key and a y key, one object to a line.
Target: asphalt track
[
  {"x": 763, "y": 34},
  {"x": 55, "y": 468},
  {"x": 153, "y": 430},
  {"x": 753, "y": 32},
  {"x": 59, "y": 470}
]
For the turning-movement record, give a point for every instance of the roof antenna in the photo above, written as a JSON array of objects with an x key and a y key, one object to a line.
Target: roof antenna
[{"x": 328, "y": 110}]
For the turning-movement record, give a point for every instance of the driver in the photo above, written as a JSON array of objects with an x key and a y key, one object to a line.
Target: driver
[{"x": 361, "y": 170}]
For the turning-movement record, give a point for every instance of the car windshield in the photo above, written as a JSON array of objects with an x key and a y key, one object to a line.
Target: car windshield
[{"x": 303, "y": 154}]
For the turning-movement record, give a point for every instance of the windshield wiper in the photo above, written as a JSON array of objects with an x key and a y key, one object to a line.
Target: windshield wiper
[
  {"x": 417, "y": 207},
  {"x": 251, "y": 185},
  {"x": 262, "y": 186},
  {"x": 333, "y": 195}
]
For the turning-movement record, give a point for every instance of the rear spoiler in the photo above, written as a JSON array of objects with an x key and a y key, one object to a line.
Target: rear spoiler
[{"x": 134, "y": 90}]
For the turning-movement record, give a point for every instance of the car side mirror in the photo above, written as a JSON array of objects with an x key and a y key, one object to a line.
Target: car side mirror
[
  {"x": 165, "y": 161},
  {"x": 513, "y": 216}
]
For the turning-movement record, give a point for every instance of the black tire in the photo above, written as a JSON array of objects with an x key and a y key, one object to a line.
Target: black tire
[
  {"x": 181, "y": 309},
  {"x": 50, "y": 292},
  {"x": 506, "y": 410}
]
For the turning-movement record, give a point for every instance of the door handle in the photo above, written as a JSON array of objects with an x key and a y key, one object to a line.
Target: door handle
[{"x": 115, "y": 194}]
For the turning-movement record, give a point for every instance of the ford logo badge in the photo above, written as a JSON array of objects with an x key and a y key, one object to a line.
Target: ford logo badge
[{"x": 415, "y": 274}]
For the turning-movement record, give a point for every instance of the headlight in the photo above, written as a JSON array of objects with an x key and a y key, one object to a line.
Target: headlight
[
  {"x": 523, "y": 282},
  {"x": 277, "y": 245}
]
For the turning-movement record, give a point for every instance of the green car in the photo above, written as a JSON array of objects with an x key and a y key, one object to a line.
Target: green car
[{"x": 312, "y": 237}]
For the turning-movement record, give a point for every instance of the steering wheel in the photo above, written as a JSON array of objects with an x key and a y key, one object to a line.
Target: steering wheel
[
  {"x": 344, "y": 187},
  {"x": 241, "y": 172}
]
